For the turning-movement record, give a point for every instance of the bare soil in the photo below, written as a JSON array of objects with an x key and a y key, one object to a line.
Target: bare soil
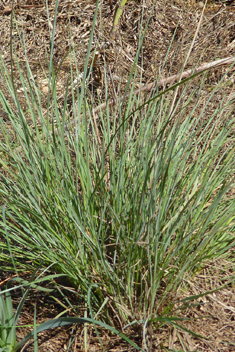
[{"x": 171, "y": 22}]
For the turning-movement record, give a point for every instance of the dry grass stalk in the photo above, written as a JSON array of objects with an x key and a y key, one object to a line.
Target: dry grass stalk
[{"x": 164, "y": 82}]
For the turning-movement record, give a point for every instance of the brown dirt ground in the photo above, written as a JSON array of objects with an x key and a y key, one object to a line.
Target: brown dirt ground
[{"x": 214, "y": 317}]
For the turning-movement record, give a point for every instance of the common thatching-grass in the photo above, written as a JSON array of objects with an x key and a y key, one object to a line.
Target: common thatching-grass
[{"x": 126, "y": 203}]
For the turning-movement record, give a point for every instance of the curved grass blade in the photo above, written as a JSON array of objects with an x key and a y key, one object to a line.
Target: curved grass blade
[{"x": 54, "y": 323}]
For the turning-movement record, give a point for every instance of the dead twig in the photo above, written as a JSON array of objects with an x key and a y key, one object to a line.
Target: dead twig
[{"x": 162, "y": 83}]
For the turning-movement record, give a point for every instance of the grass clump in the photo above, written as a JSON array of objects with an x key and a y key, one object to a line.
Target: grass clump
[{"x": 127, "y": 204}]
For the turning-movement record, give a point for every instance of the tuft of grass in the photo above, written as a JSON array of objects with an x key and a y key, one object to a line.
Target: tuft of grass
[{"x": 125, "y": 206}]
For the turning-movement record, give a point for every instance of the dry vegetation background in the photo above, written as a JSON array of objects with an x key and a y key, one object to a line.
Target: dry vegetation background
[{"x": 169, "y": 21}]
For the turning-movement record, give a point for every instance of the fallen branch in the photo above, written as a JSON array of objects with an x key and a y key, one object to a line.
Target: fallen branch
[{"x": 163, "y": 82}]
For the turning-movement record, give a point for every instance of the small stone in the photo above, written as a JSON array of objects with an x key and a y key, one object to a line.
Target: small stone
[
  {"x": 7, "y": 11},
  {"x": 201, "y": 4}
]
